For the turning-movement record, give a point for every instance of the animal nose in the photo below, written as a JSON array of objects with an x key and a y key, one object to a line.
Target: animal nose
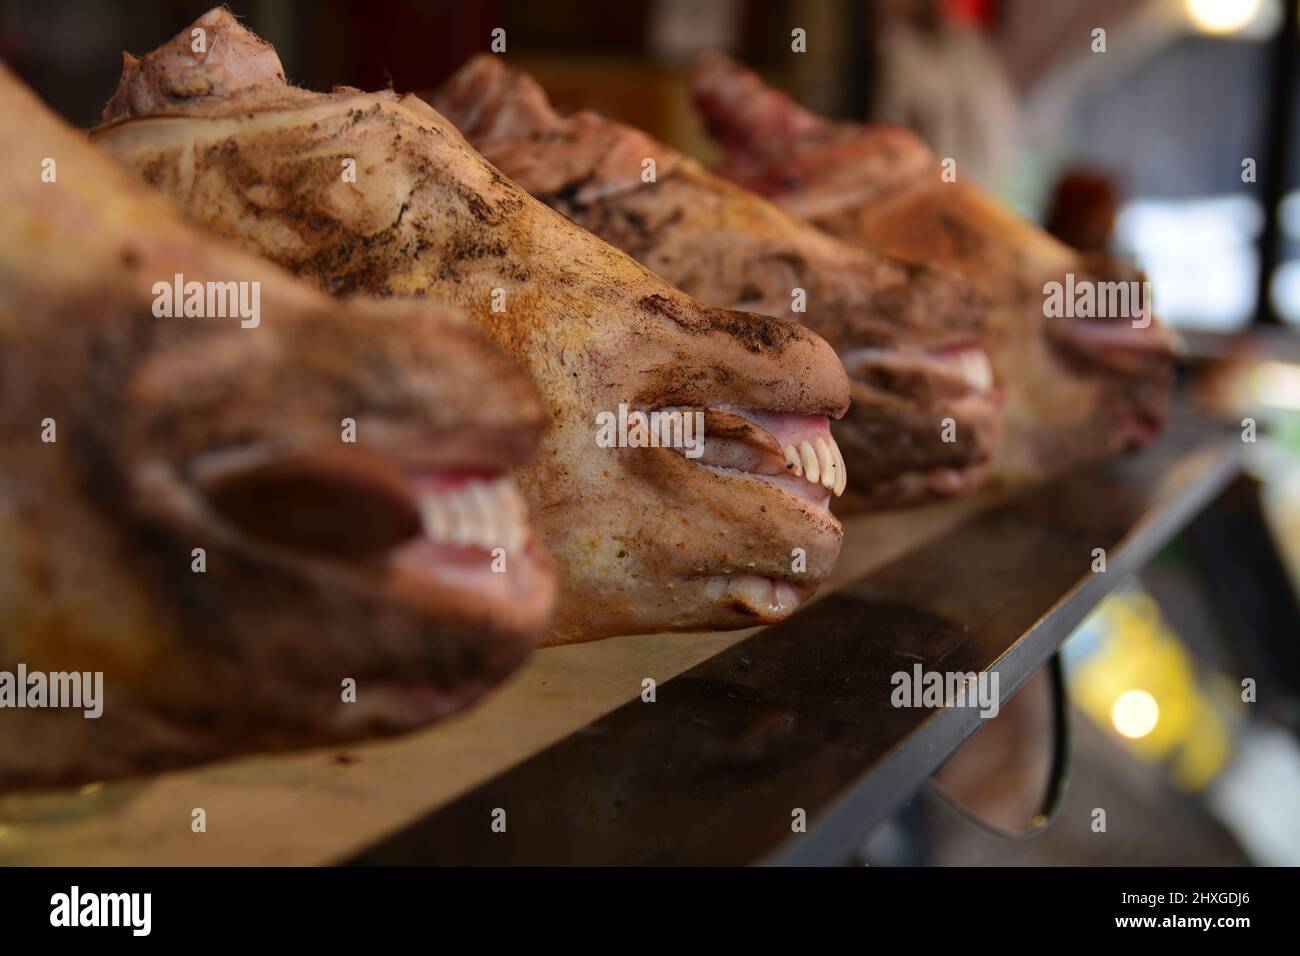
[{"x": 739, "y": 358}]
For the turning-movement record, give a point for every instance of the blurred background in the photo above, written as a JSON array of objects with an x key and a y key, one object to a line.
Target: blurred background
[
  {"x": 1162, "y": 130},
  {"x": 1139, "y": 145}
]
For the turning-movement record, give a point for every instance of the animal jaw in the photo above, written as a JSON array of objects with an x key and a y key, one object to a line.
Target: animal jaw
[
  {"x": 162, "y": 475},
  {"x": 911, "y": 337},
  {"x": 645, "y": 538},
  {"x": 1076, "y": 390}
]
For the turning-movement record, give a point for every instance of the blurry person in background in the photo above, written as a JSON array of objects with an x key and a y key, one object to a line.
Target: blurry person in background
[{"x": 940, "y": 76}]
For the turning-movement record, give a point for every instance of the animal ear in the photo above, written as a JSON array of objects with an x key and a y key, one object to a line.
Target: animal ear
[
  {"x": 214, "y": 55},
  {"x": 486, "y": 95}
]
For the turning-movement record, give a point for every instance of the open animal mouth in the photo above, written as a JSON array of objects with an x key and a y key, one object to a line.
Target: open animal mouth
[
  {"x": 902, "y": 401},
  {"x": 951, "y": 370},
  {"x": 424, "y": 530},
  {"x": 1135, "y": 362},
  {"x": 792, "y": 453},
  {"x": 793, "y": 458},
  {"x": 1118, "y": 343}
]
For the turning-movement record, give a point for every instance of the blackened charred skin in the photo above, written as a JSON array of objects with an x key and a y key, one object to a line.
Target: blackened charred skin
[{"x": 758, "y": 334}]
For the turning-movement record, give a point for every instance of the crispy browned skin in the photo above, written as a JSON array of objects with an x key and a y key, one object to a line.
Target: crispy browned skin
[
  {"x": 888, "y": 320},
  {"x": 163, "y": 426},
  {"x": 1077, "y": 390},
  {"x": 645, "y": 539}
]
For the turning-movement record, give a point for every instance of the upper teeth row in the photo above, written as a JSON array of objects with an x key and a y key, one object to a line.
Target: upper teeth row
[
  {"x": 486, "y": 514},
  {"x": 820, "y": 461}
]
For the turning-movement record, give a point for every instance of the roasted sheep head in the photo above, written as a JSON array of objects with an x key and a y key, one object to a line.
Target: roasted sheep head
[
  {"x": 1078, "y": 389},
  {"x": 227, "y": 494},
  {"x": 378, "y": 193},
  {"x": 925, "y": 411}
]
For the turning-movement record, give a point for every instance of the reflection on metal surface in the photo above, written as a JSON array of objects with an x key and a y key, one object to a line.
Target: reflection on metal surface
[
  {"x": 1149, "y": 823},
  {"x": 1010, "y": 775},
  {"x": 1128, "y": 668}
]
